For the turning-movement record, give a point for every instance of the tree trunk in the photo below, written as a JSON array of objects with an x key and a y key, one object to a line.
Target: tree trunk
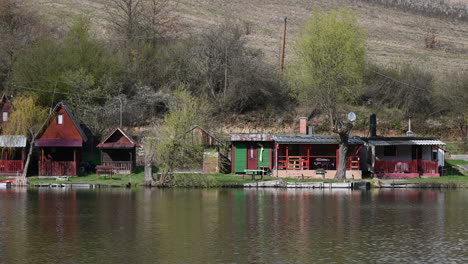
[
  {"x": 149, "y": 180},
  {"x": 343, "y": 129},
  {"x": 341, "y": 171},
  {"x": 22, "y": 181}
]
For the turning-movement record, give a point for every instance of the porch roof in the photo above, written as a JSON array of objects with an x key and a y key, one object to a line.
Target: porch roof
[
  {"x": 59, "y": 143},
  {"x": 251, "y": 137},
  {"x": 314, "y": 139},
  {"x": 12, "y": 141},
  {"x": 420, "y": 142}
]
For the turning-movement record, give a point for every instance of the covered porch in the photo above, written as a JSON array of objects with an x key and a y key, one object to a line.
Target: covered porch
[
  {"x": 12, "y": 155},
  {"x": 314, "y": 157},
  {"x": 410, "y": 158},
  {"x": 59, "y": 161}
]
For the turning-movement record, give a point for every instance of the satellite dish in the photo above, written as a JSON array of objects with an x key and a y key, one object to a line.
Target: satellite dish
[{"x": 351, "y": 116}]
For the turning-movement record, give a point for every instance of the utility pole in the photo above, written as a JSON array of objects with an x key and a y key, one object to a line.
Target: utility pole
[
  {"x": 284, "y": 43},
  {"x": 121, "y": 109}
]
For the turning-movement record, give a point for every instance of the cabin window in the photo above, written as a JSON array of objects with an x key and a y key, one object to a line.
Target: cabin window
[
  {"x": 434, "y": 154},
  {"x": 60, "y": 119},
  {"x": 5, "y": 116},
  {"x": 390, "y": 151}
]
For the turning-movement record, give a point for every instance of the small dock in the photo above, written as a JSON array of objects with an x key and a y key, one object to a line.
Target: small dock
[
  {"x": 313, "y": 185},
  {"x": 76, "y": 185}
]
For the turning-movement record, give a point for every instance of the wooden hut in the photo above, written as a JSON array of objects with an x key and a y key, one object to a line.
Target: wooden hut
[
  {"x": 213, "y": 160},
  {"x": 302, "y": 155},
  {"x": 118, "y": 152},
  {"x": 12, "y": 155},
  {"x": 250, "y": 152},
  {"x": 60, "y": 143},
  {"x": 402, "y": 157}
]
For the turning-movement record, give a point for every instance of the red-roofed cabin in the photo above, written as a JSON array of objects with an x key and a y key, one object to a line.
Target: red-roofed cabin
[
  {"x": 118, "y": 151},
  {"x": 60, "y": 143},
  {"x": 5, "y": 109}
]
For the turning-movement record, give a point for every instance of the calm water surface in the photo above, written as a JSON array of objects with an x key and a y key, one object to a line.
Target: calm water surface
[{"x": 233, "y": 226}]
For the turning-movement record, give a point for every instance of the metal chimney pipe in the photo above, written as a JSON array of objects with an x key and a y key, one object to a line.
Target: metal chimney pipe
[{"x": 373, "y": 125}]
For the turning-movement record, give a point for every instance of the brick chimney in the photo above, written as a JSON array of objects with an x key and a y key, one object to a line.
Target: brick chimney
[{"x": 303, "y": 125}]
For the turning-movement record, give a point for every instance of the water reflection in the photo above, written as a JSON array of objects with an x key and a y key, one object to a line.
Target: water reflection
[{"x": 231, "y": 226}]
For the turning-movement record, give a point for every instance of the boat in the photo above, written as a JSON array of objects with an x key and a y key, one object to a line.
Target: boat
[{"x": 6, "y": 183}]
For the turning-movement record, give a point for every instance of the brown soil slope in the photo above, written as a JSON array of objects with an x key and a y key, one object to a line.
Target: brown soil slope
[{"x": 394, "y": 35}]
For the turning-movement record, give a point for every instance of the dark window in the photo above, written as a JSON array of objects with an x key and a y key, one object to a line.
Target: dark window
[{"x": 389, "y": 151}]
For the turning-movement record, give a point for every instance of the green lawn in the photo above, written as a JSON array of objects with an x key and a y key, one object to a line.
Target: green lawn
[
  {"x": 452, "y": 177},
  {"x": 457, "y": 147},
  {"x": 122, "y": 180}
]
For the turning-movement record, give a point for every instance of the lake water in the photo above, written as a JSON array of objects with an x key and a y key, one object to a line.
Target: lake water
[{"x": 52, "y": 225}]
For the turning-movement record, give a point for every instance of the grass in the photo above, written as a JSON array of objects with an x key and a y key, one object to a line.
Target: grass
[
  {"x": 120, "y": 180},
  {"x": 181, "y": 180},
  {"x": 453, "y": 178},
  {"x": 450, "y": 180},
  {"x": 455, "y": 162},
  {"x": 457, "y": 147}
]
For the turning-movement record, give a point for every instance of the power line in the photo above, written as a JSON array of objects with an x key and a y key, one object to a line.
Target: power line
[
  {"x": 395, "y": 80},
  {"x": 47, "y": 91}
]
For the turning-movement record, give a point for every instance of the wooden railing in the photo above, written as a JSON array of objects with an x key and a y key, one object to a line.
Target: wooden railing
[
  {"x": 293, "y": 162},
  {"x": 120, "y": 165},
  {"x": 429, "y": 166},
  {"x": 57, "y": 168},
  {"x": 11, "y": 166},
  {"x": 406, "y": 166},
  {"x": 352, "y": 163},
  {"x": 315, "y": 162}
]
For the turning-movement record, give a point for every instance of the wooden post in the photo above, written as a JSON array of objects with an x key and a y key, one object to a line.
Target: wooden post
[
  {"x": 308, "y": 157},
  {"x": 74, "y": 162},
  {"x": 337, "y": 151},
  {"x": 22, "y": 160}
]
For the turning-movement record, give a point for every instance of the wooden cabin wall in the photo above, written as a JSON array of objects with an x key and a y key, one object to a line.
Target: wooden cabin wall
[
  {"x": 67, "y": 130},
  {"x": 111, "y": 155}
]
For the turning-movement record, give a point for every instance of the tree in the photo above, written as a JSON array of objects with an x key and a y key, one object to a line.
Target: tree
[
  {"x": 233, "y": 76},
  {"x": 168, "y": 144},
  {"x": 78, "y": 65},
  {"x": 328, "y": 69},
  {"x": 19, "y": 27},
  {"x": 141, "y": 19},
  {"x": 26, "y": 119}
]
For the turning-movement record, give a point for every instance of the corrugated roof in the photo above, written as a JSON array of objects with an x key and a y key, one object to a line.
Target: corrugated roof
[
  {"x": 421, "y": 142},
  {"x": 251, "y": 137},
  {"x": 314, "y": 139},
  {"x": 12, "y": 141}
]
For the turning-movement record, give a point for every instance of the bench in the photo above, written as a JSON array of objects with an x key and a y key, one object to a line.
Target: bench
[
  {"x": 254, "y": 173},
  {"x": 102, "y": 170},
  {"x": 62, "y": 178}
]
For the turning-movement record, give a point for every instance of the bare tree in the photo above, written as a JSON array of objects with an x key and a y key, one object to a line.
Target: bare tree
[{"x": 141, "y": 19}]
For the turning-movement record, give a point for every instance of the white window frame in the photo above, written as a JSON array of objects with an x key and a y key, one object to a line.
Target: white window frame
[{"x": 60, "y": 119}]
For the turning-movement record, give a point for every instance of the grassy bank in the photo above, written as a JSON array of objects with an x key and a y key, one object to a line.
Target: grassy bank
[
  {"x": 180, "y": 180},
  {"x": 453, "y": 178}
]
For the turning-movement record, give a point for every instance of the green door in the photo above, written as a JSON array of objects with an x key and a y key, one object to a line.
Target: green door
[
  {"x": 263, "y": 156},
  {"x": 240, "y": 157}
]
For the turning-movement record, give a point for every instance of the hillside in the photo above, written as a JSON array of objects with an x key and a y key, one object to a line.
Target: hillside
[{"x": 394, "y": 35}]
